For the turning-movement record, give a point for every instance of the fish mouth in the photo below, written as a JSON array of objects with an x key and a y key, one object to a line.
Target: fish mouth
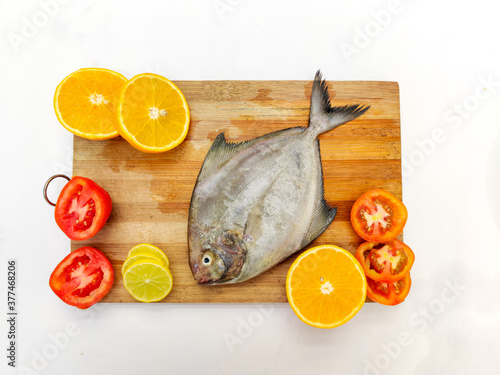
[
  {"x": 209, "y": 281},
  {"x": 203, "y": 281},
  {"x": 200, "y": 276},
  {"x": 205, "y": 278}
]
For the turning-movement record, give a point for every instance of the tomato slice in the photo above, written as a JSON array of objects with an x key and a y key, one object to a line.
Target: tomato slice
[
  {"x": 82, "y": 278},
  {"x": 378, "y": 216},
  {"x": 387, "y": 262},
  {"x": 389, "y": 293},
  {"x": 82, "y": 209}
]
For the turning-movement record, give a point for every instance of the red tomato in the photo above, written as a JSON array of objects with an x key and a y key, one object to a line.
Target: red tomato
[
  {"x": 389, "y": 293},
  {"x": 387, "y": 262},
  {"x": 378, "y": 216},
  {"x": 82, "y": 278},
  {"x": 82, "y": 209}
]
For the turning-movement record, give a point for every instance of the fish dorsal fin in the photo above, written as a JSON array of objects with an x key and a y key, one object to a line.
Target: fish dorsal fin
[{"x": 221, "y": 150}]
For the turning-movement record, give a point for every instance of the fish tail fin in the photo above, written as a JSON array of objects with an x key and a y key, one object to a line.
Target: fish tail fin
[{"x": 323, "y": 117}]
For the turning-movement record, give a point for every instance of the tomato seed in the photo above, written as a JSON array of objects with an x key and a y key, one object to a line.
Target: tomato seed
[{"x": 84, "y": 223}]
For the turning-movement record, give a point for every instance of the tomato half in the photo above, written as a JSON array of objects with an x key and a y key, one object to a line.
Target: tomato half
[
  {"x": 82, "y": 209},
  {"x": 389, "y": 293},
  {"x": 82, "y": 278},
  {"x": 378, "y": 216},
  {"x": 388, "y": 262}
]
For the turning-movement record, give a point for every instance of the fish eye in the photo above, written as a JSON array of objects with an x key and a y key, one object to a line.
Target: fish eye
[{"x": 207, "y": 259}]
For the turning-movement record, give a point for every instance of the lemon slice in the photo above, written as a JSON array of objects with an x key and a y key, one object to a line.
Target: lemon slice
[
  {"x": 150, "y": 251},
  {"x": 147, "y": 281},
  {"x": 141, "y": 257},
  {"x": 153, "y": 114}
]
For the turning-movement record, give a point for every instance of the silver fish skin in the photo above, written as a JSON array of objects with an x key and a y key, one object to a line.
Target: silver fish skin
[{"x": 257, "y": 202}]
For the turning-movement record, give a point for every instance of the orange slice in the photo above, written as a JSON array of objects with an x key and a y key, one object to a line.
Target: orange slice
[
  {"x": 153, "y": 114},
  {"x": 85, "y": 102},
  {"x": 326, "y": 286}
]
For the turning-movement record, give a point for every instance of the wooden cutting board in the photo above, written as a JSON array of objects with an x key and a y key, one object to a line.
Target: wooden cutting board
[{"x": 151, "y": 193}]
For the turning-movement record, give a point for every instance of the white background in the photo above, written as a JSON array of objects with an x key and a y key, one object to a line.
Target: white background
[{"x": 442, "y": 54}]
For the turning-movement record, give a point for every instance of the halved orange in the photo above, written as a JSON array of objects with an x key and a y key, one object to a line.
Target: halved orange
[
  {"x": 153, "y": 114},
  {"x": 85, "y": 102},
  {"x": 326, "y": 286}
]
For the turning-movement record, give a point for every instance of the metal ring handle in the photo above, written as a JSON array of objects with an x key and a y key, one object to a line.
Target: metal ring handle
[{"x": 47, "y": 185}]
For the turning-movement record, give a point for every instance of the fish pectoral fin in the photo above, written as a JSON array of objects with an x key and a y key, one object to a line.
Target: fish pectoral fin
[
  {"x": 253, "y": 226},
  {"x": 323, "y": 216}
]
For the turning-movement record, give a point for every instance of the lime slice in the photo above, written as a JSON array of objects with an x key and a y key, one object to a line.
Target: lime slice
[
  {"x": 148, "y": 250},
  {"x": 135, "y": 258},
  {"x": 147, "y": 281}
]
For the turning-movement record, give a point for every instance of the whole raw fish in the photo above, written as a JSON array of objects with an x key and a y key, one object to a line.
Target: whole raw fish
[{"x": 257, "y": 202}]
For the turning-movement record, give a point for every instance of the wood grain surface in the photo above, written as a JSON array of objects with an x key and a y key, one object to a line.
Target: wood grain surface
[{"x": 151, "y": 193}]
